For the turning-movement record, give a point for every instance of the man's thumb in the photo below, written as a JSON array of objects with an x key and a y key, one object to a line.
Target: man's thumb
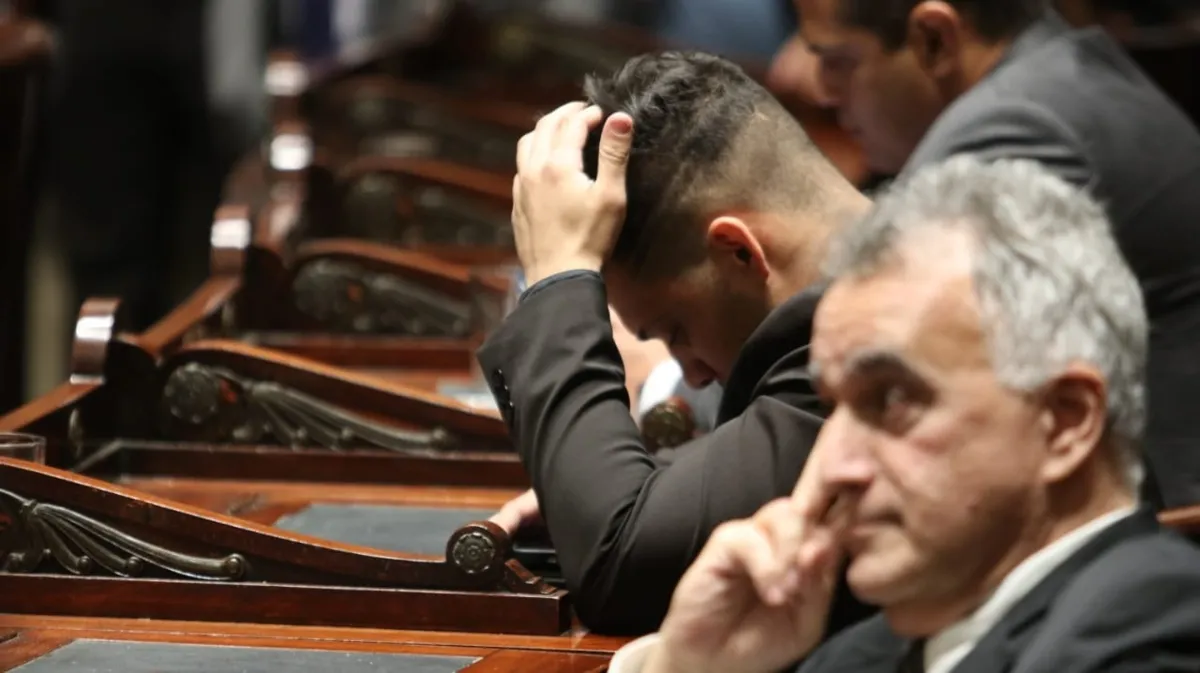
[{"x": 615, "y": 142}]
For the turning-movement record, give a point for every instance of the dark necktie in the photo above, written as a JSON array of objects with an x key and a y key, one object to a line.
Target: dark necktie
[{"x": 914, "y": 658}]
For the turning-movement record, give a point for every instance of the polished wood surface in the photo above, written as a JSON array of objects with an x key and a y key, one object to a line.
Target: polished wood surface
[
  {"x": 123, "y": 552},
  {"x": 30, "y": 637}
]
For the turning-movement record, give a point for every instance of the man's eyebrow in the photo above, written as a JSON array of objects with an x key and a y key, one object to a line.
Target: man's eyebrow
[
  {"x": 878, "y": 361},
  {"x": 816, "y": 48},
  {"x": 643, "y": 334}
]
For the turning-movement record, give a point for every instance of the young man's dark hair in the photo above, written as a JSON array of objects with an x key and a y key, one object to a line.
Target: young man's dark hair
[{"x": 708, "y": 137}]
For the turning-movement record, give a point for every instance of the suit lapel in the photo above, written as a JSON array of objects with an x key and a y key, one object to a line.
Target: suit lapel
[{"x": 1001, "y": 647}]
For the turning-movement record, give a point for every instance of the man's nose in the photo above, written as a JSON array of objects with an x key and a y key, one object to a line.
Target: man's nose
[
  {"x": 696, "y": 374},
  {"x": 832, "y": 88},
  {"x": 844, "y": 447}
]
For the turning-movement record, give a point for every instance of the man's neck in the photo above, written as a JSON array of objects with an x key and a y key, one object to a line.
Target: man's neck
[{"x": 802, "y": 246}]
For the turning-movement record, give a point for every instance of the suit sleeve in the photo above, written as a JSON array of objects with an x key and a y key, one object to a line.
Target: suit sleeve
[
  {"x": 625, "y": 526},
  {"x": 1011, "y": 129}
]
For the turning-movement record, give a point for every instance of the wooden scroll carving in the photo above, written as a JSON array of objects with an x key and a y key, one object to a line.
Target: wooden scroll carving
[
  {"x": 424, "y": 205},
  {"x": 70, "y": 545},
  {"x": 225, "y": 409},
  {"x": 215, "y": 404},
  {"x": 228, "y": 392},
  {"x": 346, "y": 297},
  {"x": 344, "y": 286},
  {"x": 328, "y": 288},
  {"x": 78, "y": 544}
]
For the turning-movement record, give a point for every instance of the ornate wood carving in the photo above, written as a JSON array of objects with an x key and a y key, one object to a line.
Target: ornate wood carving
[
  {"x": 399, "y": 128},
  {"x": 668, "y": 424},
  {"x": 380, "y": 207},
  {"x": 82, "y": 545},
  {"x": 120, "y": 552},
  {"x": 347, "y": 297},
  {"x": 214, "y": 404}
]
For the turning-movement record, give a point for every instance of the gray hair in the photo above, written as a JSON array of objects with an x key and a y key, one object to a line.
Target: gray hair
[{"x": 1052, "y": 285}]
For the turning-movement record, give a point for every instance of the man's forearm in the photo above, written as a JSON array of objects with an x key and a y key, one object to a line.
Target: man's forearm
[{"x": 570, "y": 417}]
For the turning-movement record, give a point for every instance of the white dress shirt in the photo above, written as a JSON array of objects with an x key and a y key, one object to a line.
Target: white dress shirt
[
  {"x": 944, "y": 650},
  {"x": 660, "y": 385}
]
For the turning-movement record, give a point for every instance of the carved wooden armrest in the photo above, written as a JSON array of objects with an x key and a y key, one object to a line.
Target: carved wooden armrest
[
  {"x": 77, "y": 546},
  {"x": 452, "y": 211},
  {"x": 218, "y": 391},
  {"x": 332, "y": 287},
  {"x": 351, "y": 286}
]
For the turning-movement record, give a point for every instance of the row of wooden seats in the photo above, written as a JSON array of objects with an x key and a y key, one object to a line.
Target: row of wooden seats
[
  {"x": 256, "y": 456},
  {"x": 187, "y": 465}
]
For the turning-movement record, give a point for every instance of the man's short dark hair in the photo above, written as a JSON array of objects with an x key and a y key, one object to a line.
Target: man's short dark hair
[
  {"x": 706, "y": 137},
  {"x": 994, "y": 20}
]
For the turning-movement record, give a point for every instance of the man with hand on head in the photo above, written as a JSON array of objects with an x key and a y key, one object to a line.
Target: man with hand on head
[
  {"x": 918, "y": 81},
  {"x": 984, "y": 344},
  {"x": 700, "y": 212}
]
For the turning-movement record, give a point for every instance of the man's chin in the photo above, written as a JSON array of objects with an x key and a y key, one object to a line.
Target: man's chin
[{"x": 874, "y": 580}]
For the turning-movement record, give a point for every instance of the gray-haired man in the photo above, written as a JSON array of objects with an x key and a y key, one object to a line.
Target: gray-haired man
[{"x": 984, "y": 342}]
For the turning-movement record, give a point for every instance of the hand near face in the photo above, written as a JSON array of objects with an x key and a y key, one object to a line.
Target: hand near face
[
  {"x": 756, "y": 599},
  {"x": 518, "y": 512},
  {"x": 562, "y": 220}
]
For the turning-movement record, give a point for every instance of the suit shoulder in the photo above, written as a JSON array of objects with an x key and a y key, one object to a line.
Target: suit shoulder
[
  {"x": 991, "y": 123},
  {"x": 1138, "y": 602},
  {"x": 866, "y": 646},
  {"x": 1139, "y": 564}
]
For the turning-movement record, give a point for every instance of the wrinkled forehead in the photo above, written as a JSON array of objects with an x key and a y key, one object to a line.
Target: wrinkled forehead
[{"x": 922, "y": 309}]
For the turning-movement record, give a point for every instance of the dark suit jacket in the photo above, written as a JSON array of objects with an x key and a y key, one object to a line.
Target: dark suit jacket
[
  {"x": 1128, "y": 601},
  {"x": 1074, "y": 101},
  {"x": 625, "y": 525}
]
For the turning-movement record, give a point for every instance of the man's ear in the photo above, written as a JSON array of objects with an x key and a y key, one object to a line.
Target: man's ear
[
  {"x": 731, "y": 242},
  {"x": 1075, "y": 412},
  {"x": 935, "y": 35}
]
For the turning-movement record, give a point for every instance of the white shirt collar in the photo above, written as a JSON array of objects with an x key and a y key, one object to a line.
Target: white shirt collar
[{"x": 944, "y": 650}]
